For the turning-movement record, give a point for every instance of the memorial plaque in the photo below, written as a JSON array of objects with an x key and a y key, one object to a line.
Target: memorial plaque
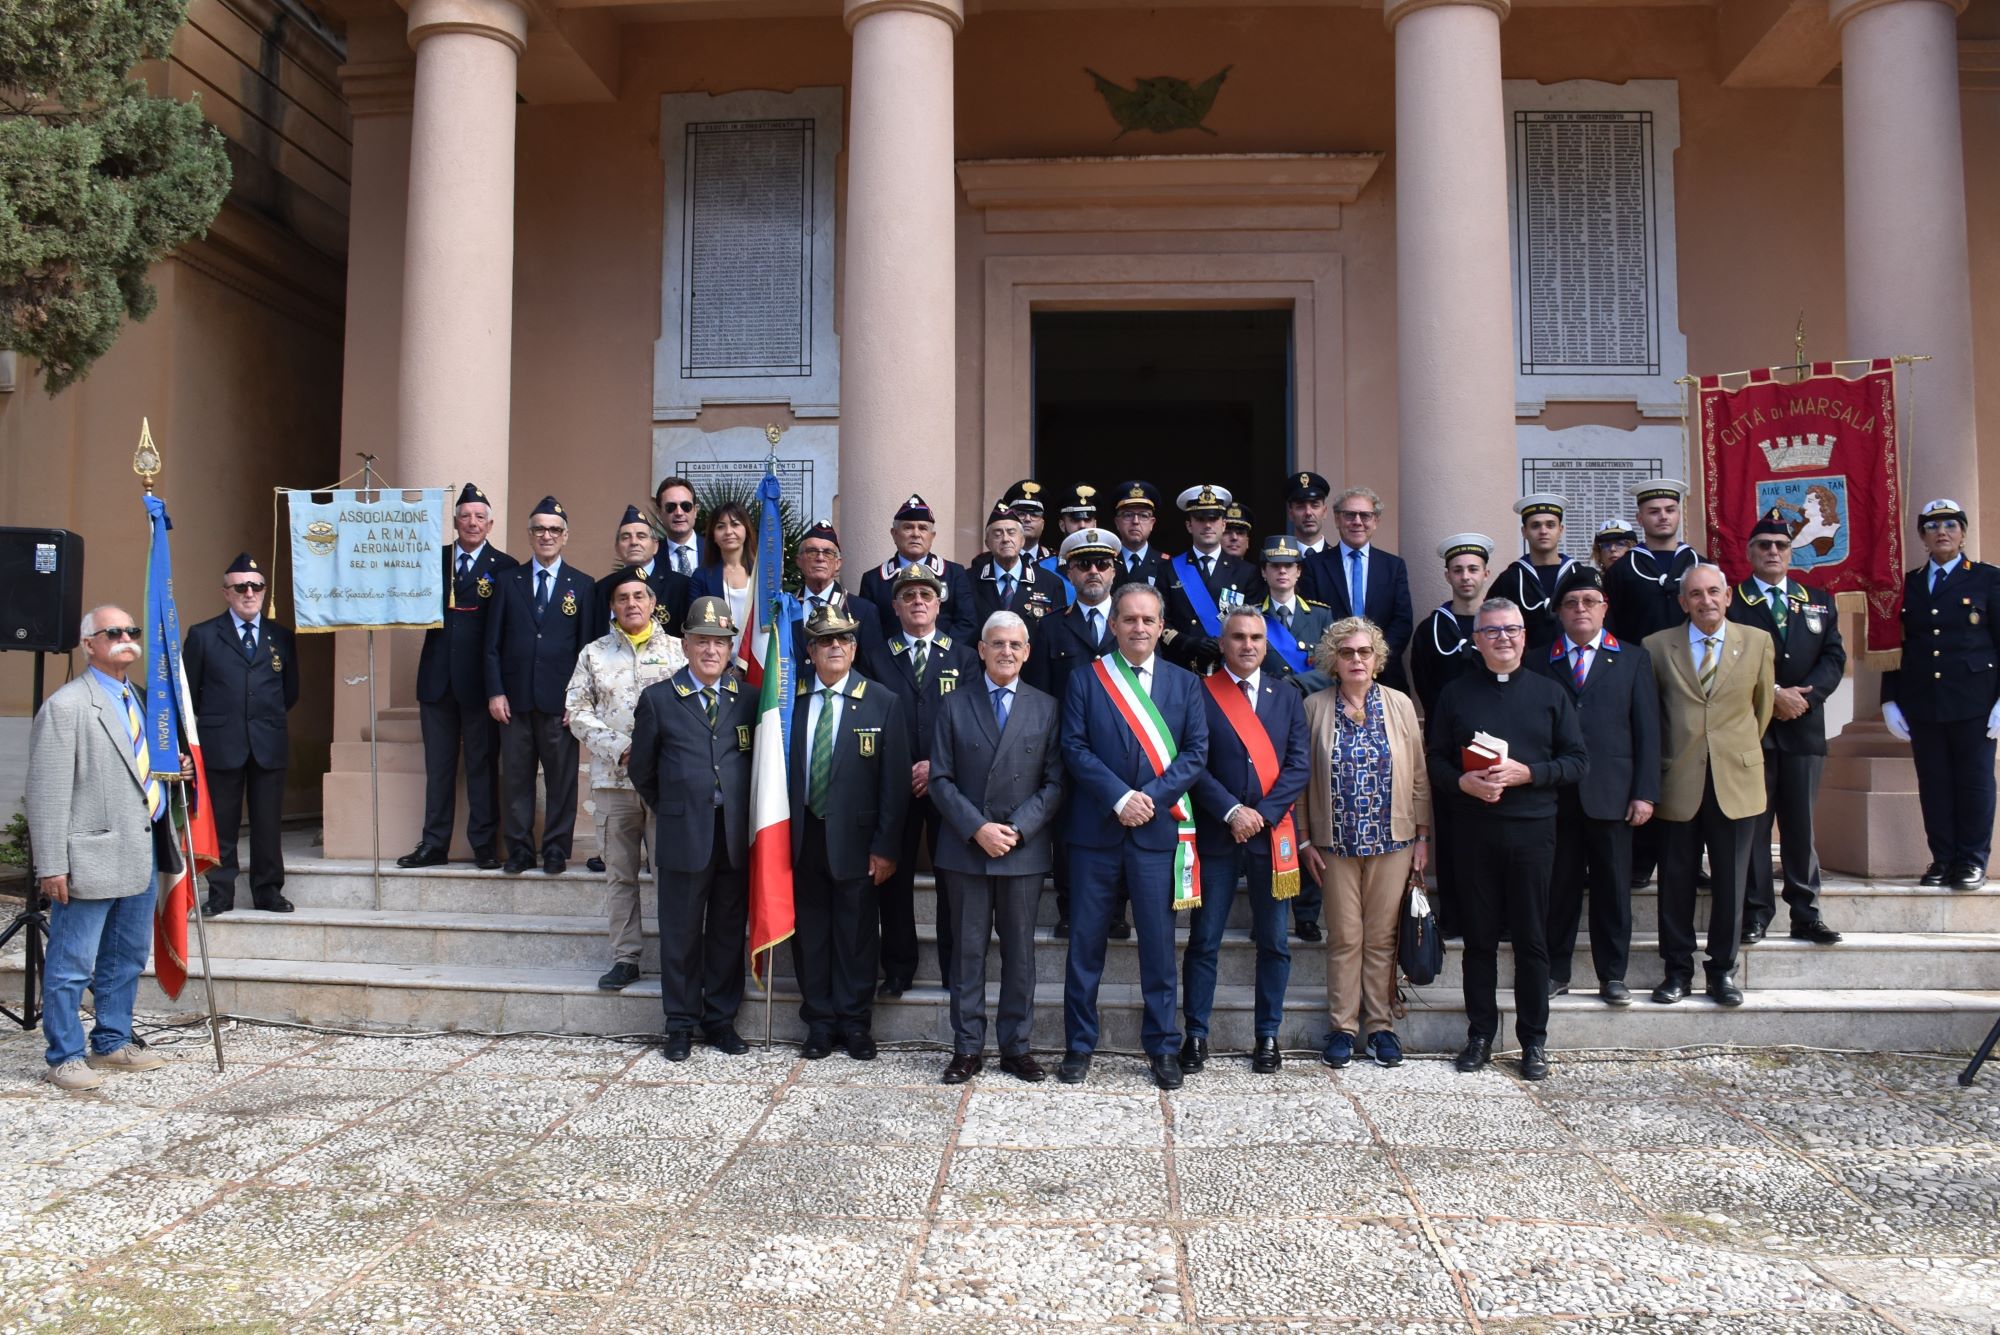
[
  {"x": 731, "y": 461},
  {"x": 1592, "y": 466}
]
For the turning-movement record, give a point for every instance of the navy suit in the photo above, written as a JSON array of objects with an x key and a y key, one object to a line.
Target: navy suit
[
  {"x": 1233, "y": 580},
  {"x": 1105, "y": 762},
  {"x": 1229, "y": 781},
  {"x": 1387, "y": 602},
  {"x": 451, "y": 706},
  {"x": 529, "y": 659},
  {"x": 240, "y": 702},
  {"x": 955, "y": 613}
]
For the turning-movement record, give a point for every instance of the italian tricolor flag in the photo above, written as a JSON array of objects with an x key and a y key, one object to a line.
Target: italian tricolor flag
[
  {"x": 1142, "y": 716},
  {"x": 771, "y": 914}
]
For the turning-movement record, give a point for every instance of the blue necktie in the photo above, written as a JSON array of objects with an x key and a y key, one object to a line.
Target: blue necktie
[
  {"x": 1094, "y": 618},
  {"x": 541, "y": 593},
  {"x": 1357, "y": 589},
  {"x": 249, "y": 641},
  {"x": 1006, "y": 586},
  {"x": 1937, "y": 577},
  {"x": 1001, "y": 695}
]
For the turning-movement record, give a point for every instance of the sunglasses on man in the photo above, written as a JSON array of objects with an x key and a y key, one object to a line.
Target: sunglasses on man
[
  {"x": 132, "y": 633},
  {"x": 244, "y": 586}
]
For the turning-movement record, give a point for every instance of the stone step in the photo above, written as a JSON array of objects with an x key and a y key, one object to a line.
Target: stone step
[
  {"x": 317, "y": 935},
  {"x": 1851, "y": 905},
  {"x": 497, "y": 1000}
]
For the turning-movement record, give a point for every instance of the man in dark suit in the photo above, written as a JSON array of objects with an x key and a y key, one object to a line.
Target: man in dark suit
[
  {"x": 1619, "y": 704},
  {"x": 1355, "y": 564},
  {"x": 1945, "y": 698},
  {"x": 544, "y": 612},
  {"x": 691, "y": 740},
  {"x": 1810, "y": 662},
  {"x": 1257, "y": 767},
  {"x": 914, "y": 530},
  {"x": 1207, "y": 581},
  {"x": 922, "y": 666},
  {"x": 1004, "y": 579},
  {"x": 243, "y": 673},
  {"x": 451, "y": 697},
  {"x": 997, "y": 779},
  {"x": 819, "y": 562},
  {"x": 1062, "y": 644},
  {"x": 1129, "y": 817},
  {"x": 850, "y": 789},
  {"x": 681, "y": 549},
  {"x": 638, "y": 548}
]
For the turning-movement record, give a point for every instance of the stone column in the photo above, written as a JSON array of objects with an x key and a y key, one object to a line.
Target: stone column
[
  {"x": 1909, "y": 290},
  {"x": 898, "y": 305},
  {"x": 454, "y": 402},
  {"x": 1454, "y": 308}
]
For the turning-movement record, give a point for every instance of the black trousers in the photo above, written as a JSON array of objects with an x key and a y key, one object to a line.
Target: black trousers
[
  {"x": 532, "y": 739},
  {"x": 265, "y": 789},
  {"x": 1446, "y": 877},
  {"x": 1594, "y": 857},
  {"x": 1681, "y": 843},
  {"x": 1791, "y": 785},
  {"x": 704, "y": 916},
  {"x": 1955, "y": 789},
  {"x": 836, "y": 941},
  {"x": 1505, "y": 866},
  {"x": 897, "y": 899},
  {"x": 978, "y": 905},
  {"x": 452, "y": 729},
  {"x": 1646, "y": 841}
]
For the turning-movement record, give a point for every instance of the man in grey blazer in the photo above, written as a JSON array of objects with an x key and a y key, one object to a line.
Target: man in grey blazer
[
  {"x": 997, "y": 781},
  {"x": 98, "y": 817}
]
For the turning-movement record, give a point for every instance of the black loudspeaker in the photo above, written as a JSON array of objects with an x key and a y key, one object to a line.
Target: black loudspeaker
[{"x": 41, "y": 589}]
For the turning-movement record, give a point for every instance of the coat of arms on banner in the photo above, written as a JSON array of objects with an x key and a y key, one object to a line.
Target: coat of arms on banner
[{"x": 1815, "y": 508}]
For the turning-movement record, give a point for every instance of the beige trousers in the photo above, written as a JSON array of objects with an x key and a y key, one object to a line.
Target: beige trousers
[
  {"x": 1363, "y": 901},
  {"x": 621, "y": 827}
]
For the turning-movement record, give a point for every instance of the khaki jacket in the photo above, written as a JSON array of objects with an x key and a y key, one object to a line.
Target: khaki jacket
[
  {"x": 604, "y": 694},
  {"x": 1722, "y": 732},
  {"x": 1410, "y": 785}
]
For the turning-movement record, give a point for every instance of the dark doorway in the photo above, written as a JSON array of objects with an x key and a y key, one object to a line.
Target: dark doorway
[{"x": 1175, "y": 397}]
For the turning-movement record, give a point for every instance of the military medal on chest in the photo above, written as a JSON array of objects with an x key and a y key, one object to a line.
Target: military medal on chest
[
  {"x": 484, "y": 587},
  {"x": 569, "y": 604},
  {"x": 277, "y": 663}
]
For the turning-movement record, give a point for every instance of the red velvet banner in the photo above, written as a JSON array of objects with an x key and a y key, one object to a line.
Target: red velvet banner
[{"x": 1822, "y": 453}]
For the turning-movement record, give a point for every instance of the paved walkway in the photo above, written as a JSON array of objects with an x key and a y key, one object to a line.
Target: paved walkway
[{"x": 345, "y": 1184}]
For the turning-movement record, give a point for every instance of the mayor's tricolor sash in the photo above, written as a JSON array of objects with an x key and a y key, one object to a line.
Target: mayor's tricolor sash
[
  {"x": 1142, "y": 716},
  {"x": 1279, "y": 636},
  {"x": 1198, "y": 596},
  {"x": 1237, "y": 709}
]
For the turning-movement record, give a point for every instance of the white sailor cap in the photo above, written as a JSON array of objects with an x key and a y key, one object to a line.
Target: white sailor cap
[
  {"x": 1458, "y": 544},
  {"x": 1658, "y": 489},
  {"x": 1615, "y": 530},
  {"x": 1089, "y": 542},
  {"x": 1541, "y": 503},
  {"x": 1942, "y": 508},
  {"x": 1208, "y": 498}
]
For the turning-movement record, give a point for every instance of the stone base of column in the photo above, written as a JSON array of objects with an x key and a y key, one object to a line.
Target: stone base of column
[{"x": 1867, "y": 821}]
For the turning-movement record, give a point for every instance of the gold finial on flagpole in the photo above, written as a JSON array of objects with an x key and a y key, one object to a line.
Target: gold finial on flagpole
[
  {"x": 146, "y": 459},
  {"x": 1799, "y": 346}
]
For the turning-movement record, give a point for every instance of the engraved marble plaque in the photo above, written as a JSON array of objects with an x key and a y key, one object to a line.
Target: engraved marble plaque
[
  {"x": 1591, "y": 466},
  {"x": 733, "y": 458},
  {"x": 747, "y": 298}
]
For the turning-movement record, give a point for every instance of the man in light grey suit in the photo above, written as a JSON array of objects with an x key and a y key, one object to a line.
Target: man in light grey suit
[
  {"x": 98, "y": 819},
  {"x": 997, "y": 782}
]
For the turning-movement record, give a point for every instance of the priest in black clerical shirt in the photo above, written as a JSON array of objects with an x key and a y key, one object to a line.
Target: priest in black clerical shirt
[{"x": 1504, "y": 816}]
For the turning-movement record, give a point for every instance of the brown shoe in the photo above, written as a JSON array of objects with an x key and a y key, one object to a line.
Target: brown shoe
[
  {"x": 964, "y": 1066},
  {"x": 127, "y": 1058},
  {"x": 1024, "y": 1067}
]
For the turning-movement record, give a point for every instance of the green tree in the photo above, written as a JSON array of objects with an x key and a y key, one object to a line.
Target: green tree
[{"x": 98, "y": 178}]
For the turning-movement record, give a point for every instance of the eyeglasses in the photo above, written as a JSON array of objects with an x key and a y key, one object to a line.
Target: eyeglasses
[
  {"x": 1501, "y": 632},
  {"x": 1368, "y": 516},
  {"x": 818, "y": 553},
  {"x": 245, "y": 587},
  {"x": 132, "y": 633},
  {"x": 837, "y": 641},
  {"x": 1090, "y": 563},
  {"x": 1772, "y": 545},
  {"x": 1352, "y": 654},
  {"x": 675, "y": 507},
  {"x": 1938, "y": 525},
  {"x": 546, "y": 530},
  {"x": 1585, "y": 603}
]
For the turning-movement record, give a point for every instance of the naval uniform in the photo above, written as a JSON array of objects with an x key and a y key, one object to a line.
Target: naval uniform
[
  {"x": 1532, "y": 588},
  {"x": 243, "y": 678},
  {"x": 451, "y": 705}
]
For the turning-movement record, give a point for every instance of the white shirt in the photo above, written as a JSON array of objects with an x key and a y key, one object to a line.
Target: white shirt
[
  {"x": 1316, "y": 545},
  {"x": 1773, "y": 592},
  {"x": 1589, "y": 651},
  {"x": 1145, "y": 674},
  {"x": 1355, "y": 581},
  {"x": 1237, "y": 681},
  {"x": 470, "y": 558},
  {"x": 670, "y": 547},
  {"x": 913, "y": 641},
  {"x": 1289, "y": 605},
  {"x": 815, "y": 702},
  {"x": 553, "y": 570}
]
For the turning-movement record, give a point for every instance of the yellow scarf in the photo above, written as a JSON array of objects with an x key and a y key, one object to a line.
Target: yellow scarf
[{"x": 636, "y": 640}]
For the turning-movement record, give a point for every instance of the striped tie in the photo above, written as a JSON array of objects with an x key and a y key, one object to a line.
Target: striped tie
[
  {"x": 156, "y": 793},
  {"x": 1708, "y": 664},
  {"x": 819, "y": 772},
  {"x": 1576, "y": 665}
]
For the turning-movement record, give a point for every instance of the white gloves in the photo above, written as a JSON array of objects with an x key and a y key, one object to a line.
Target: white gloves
[
  {"x": 1899, "y": 727},
  {"x": 1993, "y": 723}
]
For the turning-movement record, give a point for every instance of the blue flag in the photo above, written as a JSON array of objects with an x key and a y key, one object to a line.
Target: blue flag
[
  {"x": 772, "y": 599},
  {"x": 163, "y": 634}
]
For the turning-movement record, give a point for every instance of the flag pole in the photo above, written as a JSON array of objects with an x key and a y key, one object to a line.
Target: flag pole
[{"x": 374, "y": 729}]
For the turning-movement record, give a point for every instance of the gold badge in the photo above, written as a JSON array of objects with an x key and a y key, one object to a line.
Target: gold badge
[
  {"x": 320, "y": 537},
  {"x": 278, "y": 664},
  {"x": 485, "y": 587},
  {"x": 569, "y": 604},
  {"x": 866, "y": 738},
  {"x": 948, "y": 679},
  {"x": 742, "y": 737}
]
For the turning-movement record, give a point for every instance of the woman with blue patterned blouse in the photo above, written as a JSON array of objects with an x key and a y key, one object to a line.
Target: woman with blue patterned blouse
[{"x": 1364, "y": 823}]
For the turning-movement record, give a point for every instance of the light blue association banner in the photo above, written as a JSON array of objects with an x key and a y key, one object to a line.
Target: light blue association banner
[{"x": 364, "y": 560}]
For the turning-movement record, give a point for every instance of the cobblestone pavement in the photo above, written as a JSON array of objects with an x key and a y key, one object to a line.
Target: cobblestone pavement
[{"x": 371, "y": 1184}]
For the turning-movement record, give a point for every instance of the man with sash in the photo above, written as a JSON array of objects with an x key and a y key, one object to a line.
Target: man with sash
[
  {"x": 1207, "y": 581},
  {"x": 1530, "y": 582},
  {"x": 1135, "y": 737},
  {"x": 1257, "y": 767},
  {"x": 914, "y": 531}
]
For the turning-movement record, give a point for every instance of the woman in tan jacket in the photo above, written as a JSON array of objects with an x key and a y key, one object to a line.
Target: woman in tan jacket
[{"x": 1364, "y": 824}]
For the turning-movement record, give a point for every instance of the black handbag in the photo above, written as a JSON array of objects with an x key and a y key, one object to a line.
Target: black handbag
[{"x": 1419, "y": 946}]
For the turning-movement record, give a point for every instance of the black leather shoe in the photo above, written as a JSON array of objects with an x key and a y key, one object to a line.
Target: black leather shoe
[
  {"x": 1723, "y": 990},
  {"x": 1121, "y": 930},
  {"x": 1061, "y": 930},
  {"x": 1166, "y": 1070},
  {"x": 1816, "y": 932},
  {"x": 423, "y": 855},
  {"x": 1309, "y": 931},
  {"x": 1968, "y": 878},
  {"x": 486, "y": 859},
  {"x": 1615, "y": 993},
  {"x": 1639, "y": 882},
  {"x": 518, "y": 863},
  {"x": 1935, "y": 874},
  {"x": 964, "y": 1066},
  {"x": 1023, "y": 1066},
  {"x": 1194, "y": 1054},
  {"x": 1671, "y": 990},
  {"x": 1753, "y": 931},
  {"x": 209, "y": 908},
  {"x": 678, "y": 1045},
  {"x": 893, "y": 987},
  {"x": 724, "y": 1038},
  {"x": 275, "y": 903},
  {"x": 1075, "y": 1068},
  {"x": 860, "y": 1047},
  {"x": 817, "y": 1047},
  {"x": 1534, "y": 1063},
  {"x": 1558, "y": 987},
  {"x": 1476, "y": 1053},
  {"x": 619, "y": 977},
  {"x": 1264, "y": 1058},
  {"x": 594, "y": 864},
  {"x": 553, "y": 863}
]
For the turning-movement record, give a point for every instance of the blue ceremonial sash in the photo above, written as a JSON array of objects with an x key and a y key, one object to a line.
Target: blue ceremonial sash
[
  {"x": 1281, "y": 638},
  {"x": 1205, "y": 610}
]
